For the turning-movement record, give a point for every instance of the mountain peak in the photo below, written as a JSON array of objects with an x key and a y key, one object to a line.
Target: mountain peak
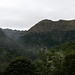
[
  {"x": 45, "y": 20},
  {"x": 49, "y": 25}
]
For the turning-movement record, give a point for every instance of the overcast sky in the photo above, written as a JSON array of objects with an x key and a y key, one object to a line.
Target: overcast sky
[{"x": 23, "y": 14}]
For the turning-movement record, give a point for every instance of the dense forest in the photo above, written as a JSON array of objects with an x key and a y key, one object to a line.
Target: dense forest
[{"x": 47, "y": 48}]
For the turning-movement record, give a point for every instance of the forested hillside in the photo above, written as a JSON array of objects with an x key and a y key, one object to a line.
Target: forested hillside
[
  {"x": 47, "y": 48},
  {"x": 46, "y": 34}
]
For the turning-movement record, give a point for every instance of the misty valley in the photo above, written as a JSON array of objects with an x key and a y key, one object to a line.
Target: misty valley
[{"x": 47, "y": 48}]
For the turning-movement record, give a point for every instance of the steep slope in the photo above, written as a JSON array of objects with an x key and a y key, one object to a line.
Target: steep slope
[
  {"x": 68, "y": 46},
  {"x": 47, "y": 33},
  {"x": 48, "y": 25},
  {"x": 8, "y": 48},
  {"x": 46, "y": 39},
  {"x": 14, "y": 34},
  {"x": 51, "y": 32}
]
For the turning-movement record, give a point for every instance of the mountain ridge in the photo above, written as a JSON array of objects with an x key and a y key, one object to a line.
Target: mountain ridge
[
  {"x": 49, "y": 25},
  {"x": 45, "y": 33}
]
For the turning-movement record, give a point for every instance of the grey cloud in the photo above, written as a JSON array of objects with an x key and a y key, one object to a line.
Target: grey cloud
[{"x": 22, "y": 14}]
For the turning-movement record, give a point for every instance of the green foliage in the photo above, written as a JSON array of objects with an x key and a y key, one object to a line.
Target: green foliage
[
  {"x": 20, "y": 66},
  {"x": 47, "y": 34},
  {"x": 49, "y": 63},
  {"x": 69, "y": 65},
  {"x": 67, "y": 47}
]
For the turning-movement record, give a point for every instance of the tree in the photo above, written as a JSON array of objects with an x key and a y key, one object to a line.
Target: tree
[
  {"x": 50, "y": 63},
  {"x": 69, "y": 65},
  {"x": 42, "y": 65},
  {"x": 20, "y": 66}
]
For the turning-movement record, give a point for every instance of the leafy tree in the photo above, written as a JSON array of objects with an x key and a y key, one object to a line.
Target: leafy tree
[
  {"x": 20, "y": 66},
  {"x": 69, "y": 65},
  {"x": 50, "y": 63}
]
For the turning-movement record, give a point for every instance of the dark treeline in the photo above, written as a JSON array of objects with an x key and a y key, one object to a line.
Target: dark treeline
[
  {"x": 47, "y": 48},
  {"x": 48, "y": 63}
]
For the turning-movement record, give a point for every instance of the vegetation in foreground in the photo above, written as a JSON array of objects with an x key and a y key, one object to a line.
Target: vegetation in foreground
[{"x": 48, "y": 63}]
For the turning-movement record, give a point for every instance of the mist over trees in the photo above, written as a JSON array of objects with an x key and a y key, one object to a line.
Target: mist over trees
[{"x": 47, "y": 48}]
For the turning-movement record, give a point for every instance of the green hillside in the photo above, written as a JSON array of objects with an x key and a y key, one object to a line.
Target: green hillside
[
  {"x": 49, "y": 44},
  {"x": 8, "y": 49},
  {"x": 46, "y": 34}
]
